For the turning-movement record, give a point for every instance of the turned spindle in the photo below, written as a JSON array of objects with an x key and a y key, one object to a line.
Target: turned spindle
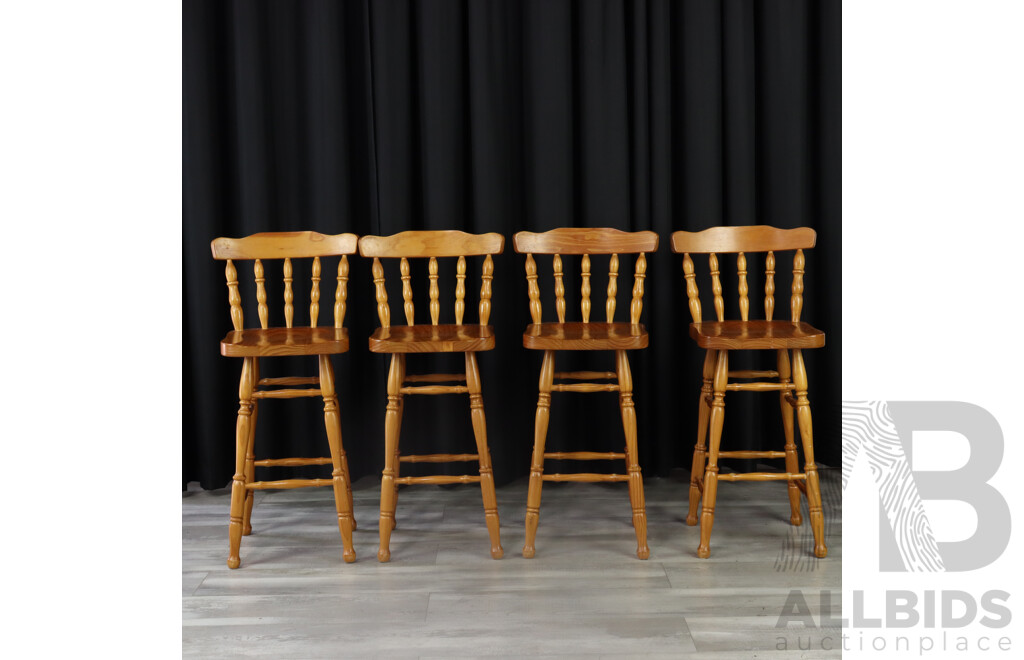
[
  {"x": 460, "y": 290},
  {"x": 796, "y": 303},
  {"x": 769, "y": 286},
  {"x": 716, "y": 286},
  {"x": 289, "y": 295},
  {"x": 341, "y": 294},
  {"x": 234, "y": 298},
  {"x": 556, "y": 263},
  {"x": 383, "y": 312},
  {"x": 741, "y": 271},
  {"x": 613, "y": 288},
  {"x": 532, "y": 288},
  {"x": 410, "y": 310},
  {"x": 485, "y": 290},
  {"x": 314, "y": 294},
  {"x": 637, "y": 305},
  {"x": 435, "y": 306},
  {"x": 261, "y": 292}
]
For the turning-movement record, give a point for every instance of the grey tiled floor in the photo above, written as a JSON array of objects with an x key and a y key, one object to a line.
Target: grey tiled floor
[{"x": 585, "y": 595}]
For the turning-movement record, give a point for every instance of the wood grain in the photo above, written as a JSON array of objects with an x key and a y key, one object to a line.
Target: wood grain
[
  {"x": 585, "y": 336},
  {"x": 752, "y": 238},
  {"x": 735, "y": 335},
  {"x": 444, "y": 338},
  {"x": 279, "y": 245},
  {"x": 579, "y": 240},
  {"x": 447, "y": 243},
  {"x": 284, "y": 341}
]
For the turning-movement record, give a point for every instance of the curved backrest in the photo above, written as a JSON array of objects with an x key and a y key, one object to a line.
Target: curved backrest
[
  {"x": 585, "y": 242},
  {"x": 287, "y": 246},
  {"x": 432, "y": 244},
  {"x": 743, "y": 240}
]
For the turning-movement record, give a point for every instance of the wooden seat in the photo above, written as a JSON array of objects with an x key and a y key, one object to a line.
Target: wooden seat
[
  {"x": 399, "y": 341},
  {"x": 284, "y": 341},
  {"x": 432, "y": 339},
  {"x": 252, "y": 344},
  {"x": 789, "y": 379},
  {"x": 586, "y": 336},
  {"x": 727, "y": 335}
]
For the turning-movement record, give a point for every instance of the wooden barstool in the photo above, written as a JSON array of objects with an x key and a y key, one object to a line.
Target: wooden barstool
[
  {"x": 252, "y": 344},
  {"x": 433, "y": 338},
  {"x": 721, "y": 337},
  {"x": 586, "y": 336}
]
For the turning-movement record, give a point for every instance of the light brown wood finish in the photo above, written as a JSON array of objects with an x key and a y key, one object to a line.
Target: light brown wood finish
[
  {"x": 577, "y": 336},
  {"x": 434, "y": 338},
  {"x": 579, "y": 240},
  {"x": 252, "y": 343},
  {"x": 721, "y": 337},
  {"x": 414, "y": 244}
]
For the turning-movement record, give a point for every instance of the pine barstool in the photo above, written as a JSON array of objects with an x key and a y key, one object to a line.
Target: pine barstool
[
  {"x": 721, "y": 337},
  {"x": 586, "y": 336},
  {"x": 252, "y": 344},
  {"x": 434, "y": 338}
]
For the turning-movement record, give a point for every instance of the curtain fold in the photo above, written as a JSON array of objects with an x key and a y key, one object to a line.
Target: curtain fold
[{"x": 379, "y": 116}]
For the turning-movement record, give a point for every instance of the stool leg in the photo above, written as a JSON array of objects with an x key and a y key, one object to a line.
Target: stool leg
[
  {"x": 391, "y": 432},
  {"x": 636, "y": 482},
  {"x": 398, "y": 464},
  {"x": 476, "y": 407},
  {"x": 340, "y": 475},
  {"x": 707, "y": 516},
  {"x": 699, "y": 451},
  {"x": 250, "y": 457},
  {"x": 803, "y": 417},
  {"x": 540, "y": 432},
  {"x": 242, "y": 432},
  {"x": 792, "y": 460}
]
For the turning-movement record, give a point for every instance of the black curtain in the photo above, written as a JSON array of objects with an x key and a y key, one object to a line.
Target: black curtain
[{"x": 375, "y": 117}]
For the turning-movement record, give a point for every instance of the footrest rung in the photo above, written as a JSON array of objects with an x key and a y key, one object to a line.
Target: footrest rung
[
  {"x": 438, "y": 458},
  {"x": 291, "y": 380},
  {"x": 586, "y": 477},
  {"x": 289, "y": 483},
  {"x": 439, "y": 479},
  {"x": 583, "y": 456},
  {"x": 286, "y": 394},
  {"x": 434, "y": 378},
  {"x": 761, "y": 476},
  {"x": 585, "y": 387},
  {"x": 753, "y": 373},
  {"x": 586, "y": 375},
  {"x": 291, "y": 462},
  {"x": 751, "y": 454},
  {"x": 435, "y": 389}
]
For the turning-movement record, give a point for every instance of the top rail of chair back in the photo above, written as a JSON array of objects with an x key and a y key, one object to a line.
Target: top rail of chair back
[
  {"x": 438, "y": 243},
  {"x": 753, "y": 238},
  {"x": 284, "y": 245},
  {"x": 585, "y": 240}
]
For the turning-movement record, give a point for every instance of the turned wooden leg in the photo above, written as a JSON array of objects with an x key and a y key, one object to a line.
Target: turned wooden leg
[
  {"x": 707, "y": 516},
  {"x": 391, "y": 432},
  {"x": 699, "y": 451},
  {"x": 242, "y": 433},
  {"x": 250, "y": 456},
  {"x": 398, "y": 464},
  {"x": 476, "y": 408},
  {"x": 636, "y": 482},
  {"x": 803, "y": 417},
  {"x": 792, "y": 460},
  {"x": 540, "y": 432},
  {"x": 332, "y": 421}
]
